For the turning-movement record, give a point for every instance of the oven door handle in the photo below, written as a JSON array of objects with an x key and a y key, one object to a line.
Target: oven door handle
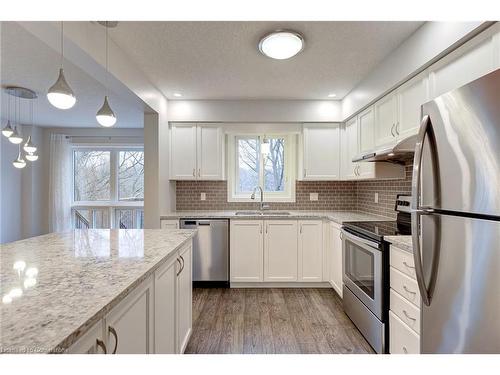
[{"x": 359, "y": 239}]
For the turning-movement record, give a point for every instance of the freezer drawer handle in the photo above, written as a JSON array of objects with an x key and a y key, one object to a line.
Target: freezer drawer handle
[
  {"x": 408, "y": 290},
  {"x": 408, "y": 316},
  {"x": 407, "y": 265}
]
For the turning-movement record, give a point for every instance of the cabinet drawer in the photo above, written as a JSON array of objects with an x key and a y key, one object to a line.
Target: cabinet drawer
[
  {"x": 406, "y": 311},
  {"x": 403, "y": 261},
  {"x": 405, "y": 286},
  {"x": 402, "y": 340}
]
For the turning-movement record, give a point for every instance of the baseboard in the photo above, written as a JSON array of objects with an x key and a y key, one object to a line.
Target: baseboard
[{"x": 281, "y": 285}]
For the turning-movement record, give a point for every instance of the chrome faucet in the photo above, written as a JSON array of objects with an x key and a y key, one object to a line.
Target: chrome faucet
[{"x": 262, "y": 205}]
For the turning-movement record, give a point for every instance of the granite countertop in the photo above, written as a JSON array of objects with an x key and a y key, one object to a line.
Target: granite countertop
[
  {"x": 336, "y": 216},
  {"x": 56, "y": 286},
  {"x": 401, "y": 242}
]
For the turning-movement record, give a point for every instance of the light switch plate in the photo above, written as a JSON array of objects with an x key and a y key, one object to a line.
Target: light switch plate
[
  {"x": 203, "y": 196},
  {"x": 376, "y": 197},
  {"x": 313, "y": 196}
]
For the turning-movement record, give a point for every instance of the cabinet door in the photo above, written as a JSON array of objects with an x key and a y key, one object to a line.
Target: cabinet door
[
  {"x": 184, "y": 298},
  {"x": 335, "y": 260},
  {"x": 385, "y": 120},
  {"x": 280, "y": 250},
  {"x": 165, "y": 295},
  {"x": 210, "y": 155},
  {"x": 462, "y": 66},
  {"x": 310, "y": 250},
  {"x": 169, "y": 224},
  {"x": 247, "y": 253},
  {"x": 183, "y": 152},
  {"x": 321, "y": 151},
  {"x": 366, "y": 130},
  {"x": 411, "y": 96},
  {"x": 91, "y": 342},
  {"x": 129, "y": 326},
  {"x": 349, "y": 148}
]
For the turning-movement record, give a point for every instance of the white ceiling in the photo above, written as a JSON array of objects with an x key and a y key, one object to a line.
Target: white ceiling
[
  {"x": 220, "y": 60},
  {"x": 28, "y": 62}
]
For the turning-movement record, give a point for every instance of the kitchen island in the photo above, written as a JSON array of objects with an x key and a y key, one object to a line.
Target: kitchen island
[{"x": 58, "y": 287}]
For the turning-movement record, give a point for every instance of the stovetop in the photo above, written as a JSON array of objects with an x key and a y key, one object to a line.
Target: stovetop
[{"x": 378, "y": 229}]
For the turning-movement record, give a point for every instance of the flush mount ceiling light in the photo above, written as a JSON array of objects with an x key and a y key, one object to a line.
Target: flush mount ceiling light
[
  {"x": 332, "y": 95},
  {"x": 177, "y": 94},
  {"x": 60, "y": 94},
  {"x": 105, "y": 115},
  {"x": 281, "y": 44}
]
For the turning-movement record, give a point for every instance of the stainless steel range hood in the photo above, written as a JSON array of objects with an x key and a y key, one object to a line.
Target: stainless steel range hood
[{"x": 399, "y": 153}]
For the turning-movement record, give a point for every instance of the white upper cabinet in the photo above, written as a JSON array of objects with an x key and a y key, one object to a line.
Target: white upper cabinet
[
  {"x": 385, "y": 119},
  {"x": 462, "y": 66},
  {"x": 366, "y": 130},
  {"x": 321, "y": 151},
  {"x": 210, "y": 152},
  {"x": 196, "y": 152},
  {"x": 183, "y": 152},
  {"x": 411, "y": 96},
  {"x": 280, "y": 250},
  {"x": 349, "y": 149}
]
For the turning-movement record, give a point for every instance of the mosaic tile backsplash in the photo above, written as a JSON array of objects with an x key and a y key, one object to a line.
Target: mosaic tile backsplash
[{"x": 332, "y": 195}]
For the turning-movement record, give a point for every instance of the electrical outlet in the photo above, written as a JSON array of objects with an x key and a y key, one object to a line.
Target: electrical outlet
[
  {"x": 376, "y": 197},
  {"x": 203, "y": 196},
  {"x": 313, "y": 196}
]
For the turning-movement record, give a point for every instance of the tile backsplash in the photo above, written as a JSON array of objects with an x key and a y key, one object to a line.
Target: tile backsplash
[{"x": 332, "y": 195}]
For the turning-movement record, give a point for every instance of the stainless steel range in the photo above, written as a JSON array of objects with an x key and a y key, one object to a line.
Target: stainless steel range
[{"x": 366, "y": 272}]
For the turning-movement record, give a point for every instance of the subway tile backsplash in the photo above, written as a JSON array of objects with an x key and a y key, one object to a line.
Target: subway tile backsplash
[{"x": 332, "y": 195}]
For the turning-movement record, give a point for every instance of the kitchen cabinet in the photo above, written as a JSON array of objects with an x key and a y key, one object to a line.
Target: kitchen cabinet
[
  {"x": 169, "y": 224},
  {"x": 386, "y": 119},
  {"x": 246, "y": 251},
  {"x": 321, "y": 152},
  {"x": 165, "y": 310},
  {"x": 92, "y": 342},
  {"x": 196, "y": 152},
  {"x": 280, "y": 250},
  {"x": 310, "y": 241},
  {"x": 411, "y": 95},
  {"x": 349, "y": 149},
  {"x": 334, "y": 244},
  {"x": 184, "y": 298},
  {"x": 366, "y": 123},
  {"x": 402, "y": 340},
  {"x": 130, "y": 325}
]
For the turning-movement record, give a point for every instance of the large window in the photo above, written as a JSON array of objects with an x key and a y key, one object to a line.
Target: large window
[
  {"x": 258, "y": 161},
  {"x": 108, "y": 188}
]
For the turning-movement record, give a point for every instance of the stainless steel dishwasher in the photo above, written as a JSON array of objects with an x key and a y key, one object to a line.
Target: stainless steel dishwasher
[{"x": 210, "y": 251}]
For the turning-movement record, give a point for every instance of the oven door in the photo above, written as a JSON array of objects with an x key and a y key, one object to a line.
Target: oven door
[{"x": 362, "y": 270}]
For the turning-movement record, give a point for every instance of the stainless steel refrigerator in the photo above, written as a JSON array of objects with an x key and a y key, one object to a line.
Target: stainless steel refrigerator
[{"x": 456, "y": 219}]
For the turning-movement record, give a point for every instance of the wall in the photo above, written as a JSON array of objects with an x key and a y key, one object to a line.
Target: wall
[{"x": 332, "y": 195}]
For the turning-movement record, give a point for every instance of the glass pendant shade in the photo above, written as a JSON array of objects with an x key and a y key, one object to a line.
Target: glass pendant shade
[
  {"x": 29, "y": 147},
  {"x": 32, "y": 157},
  {"x": 7, "y": 131},
  {"x": 19, "y": 163},
  {"x": 105, "y": 116},
  {"x": 15, "y": 137},
  {"x": 60, "y": 94}
]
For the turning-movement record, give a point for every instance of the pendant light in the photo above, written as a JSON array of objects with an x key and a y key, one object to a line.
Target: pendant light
[
  {"x": 19, "y": 163},
  {"x": 7, "y": 131},
  {"x": 60, "y": 94},
  {"x": 15, "y": 136},
  {"x": 105, "y": 115},
  {"x": 29, "y": 147}
]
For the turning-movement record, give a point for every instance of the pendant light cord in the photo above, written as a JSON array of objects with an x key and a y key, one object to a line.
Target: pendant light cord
[
  {"x": 107, "y": 69},
  {"x": 62, "y": 44}
]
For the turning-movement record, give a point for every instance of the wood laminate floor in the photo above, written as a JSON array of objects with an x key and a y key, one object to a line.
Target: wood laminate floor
[{"x": 288, "y": 320}]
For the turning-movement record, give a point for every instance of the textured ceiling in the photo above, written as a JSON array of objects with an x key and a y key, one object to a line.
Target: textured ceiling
[
  {"x": 28, "y": 62},
  {"x": 220, "y": 60}
]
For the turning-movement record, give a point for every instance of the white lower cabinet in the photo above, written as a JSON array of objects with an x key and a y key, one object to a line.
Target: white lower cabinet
[
  {"x": 334, "y": 244},
  {"x": 310, "y": 250},
  {"x": 246, "y": 251},
  {"x": 280, "y": 250},
  {"x": 402, "y": 340},
  {"x": 155, "y": 317}
]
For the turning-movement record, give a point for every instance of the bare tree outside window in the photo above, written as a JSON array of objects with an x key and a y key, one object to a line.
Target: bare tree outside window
[
  {"x": 131, "y": 176},
  {"x": 92, "y": 176},
  {"x": 248, "y": 164},
  {"x": 274, "y": 165}
]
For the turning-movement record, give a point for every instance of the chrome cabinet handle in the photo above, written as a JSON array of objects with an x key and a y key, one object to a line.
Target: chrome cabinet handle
[
  {"x": 305, "y": 172},
  {"x": 300, "y": 228},
  {"x": 113, "y": 332},
  {"x": 194, "y": 172},
  {"x": 405, "y": 350},
  {"x": 408, "y": 290},
  {"x": 407, "y": 265},
  {"x": 180, "y": 267},
  {"x": 101, "y": 345},
  {"x": 392, "y": 130},
  {"x": 267, "y": 227},
  {"x": 408, "y": 316},
  {"x": 397, "y": 128},
  {"x": 260, "y": 228},
  {"x": 199, "y": 172}
]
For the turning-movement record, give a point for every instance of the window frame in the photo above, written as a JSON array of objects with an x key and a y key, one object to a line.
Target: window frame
[
  {"x": 113, "y": 204},
  {"x": 287, "y": 195}
]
